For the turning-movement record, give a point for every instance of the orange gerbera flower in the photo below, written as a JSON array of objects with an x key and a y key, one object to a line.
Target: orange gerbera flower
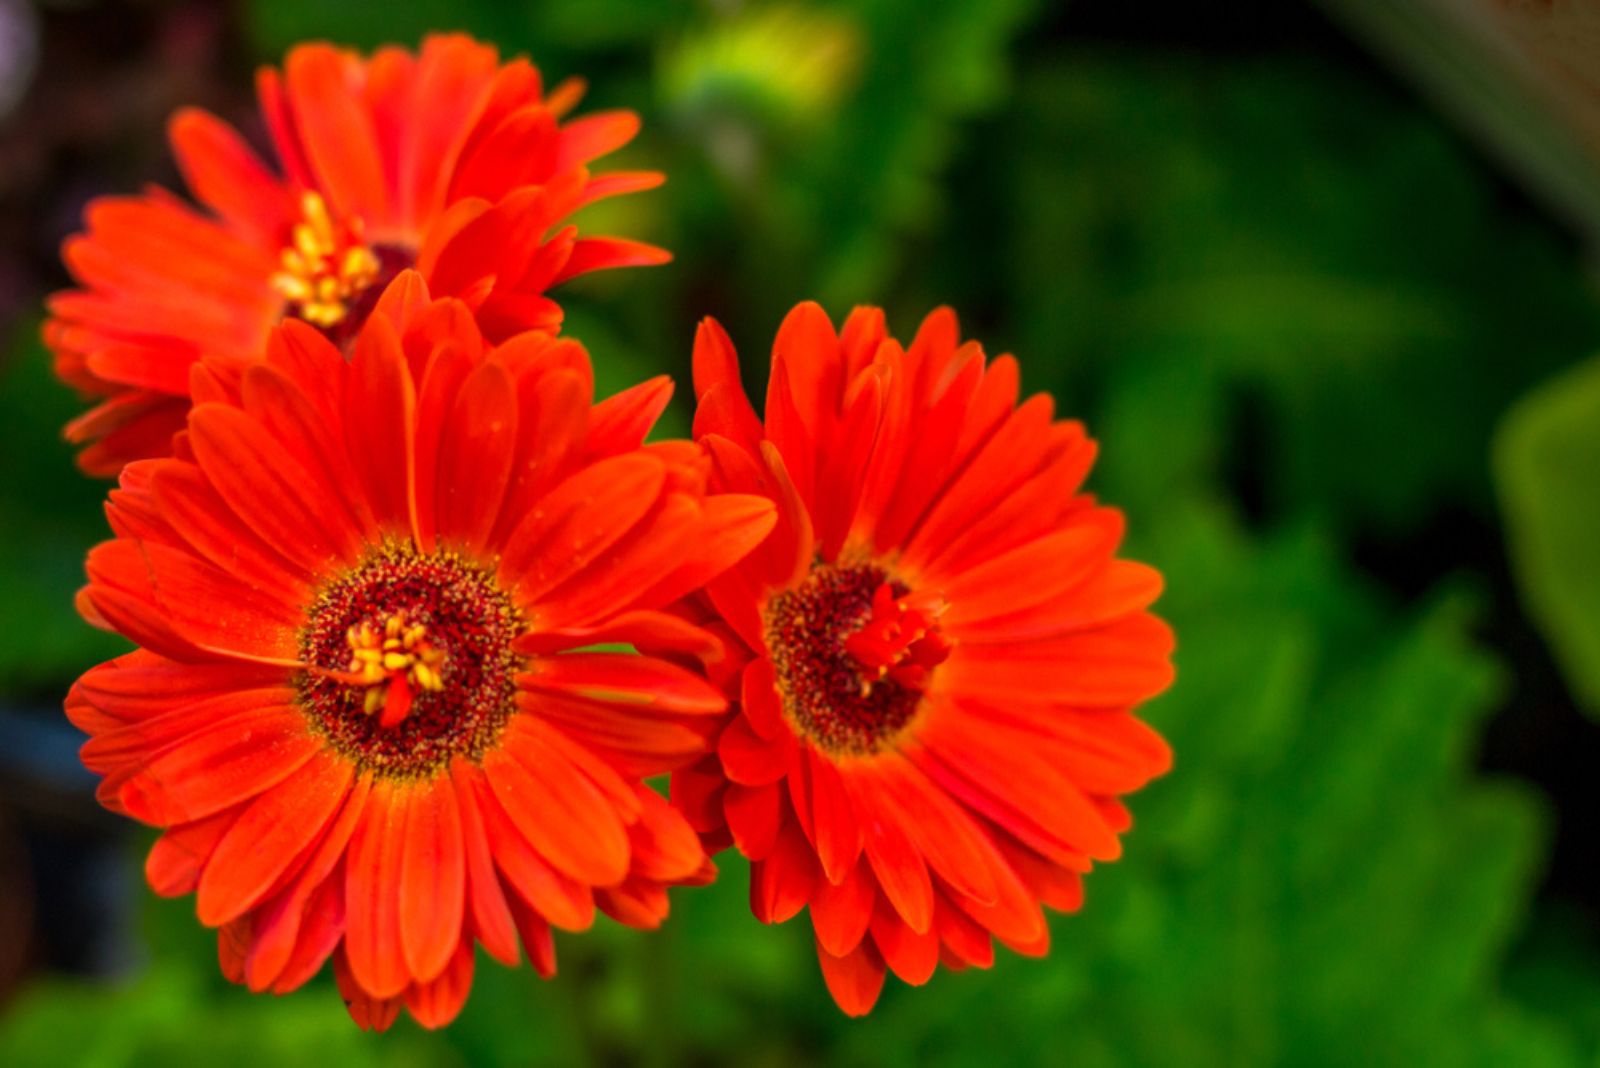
[
  {"x": 941, "y": 653},
  {"x": 368, "y": 706},
  {"x": 447, "y": 160}
]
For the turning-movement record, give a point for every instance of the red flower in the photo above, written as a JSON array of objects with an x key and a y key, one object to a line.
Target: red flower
[
  {"x": 941, "y": 653},
  {"x": 447, "y": 160},
  {"x": 369, "y": 707}
]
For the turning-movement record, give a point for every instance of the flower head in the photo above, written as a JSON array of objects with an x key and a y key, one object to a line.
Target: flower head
[
  {"x": 372, "y": 708},
  {"x": 940, "y": 655},
  {"x": 445, "y": 160}
]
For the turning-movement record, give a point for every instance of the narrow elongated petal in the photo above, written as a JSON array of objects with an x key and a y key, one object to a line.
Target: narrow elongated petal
[
  {"x": 433, "y": 881},
  {"x": 269, "y": 835},
  {"x": 374, "y": 927}
]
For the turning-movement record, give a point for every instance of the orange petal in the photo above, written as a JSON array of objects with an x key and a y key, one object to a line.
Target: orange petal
[
  {"x": 379, "y": 427},
  {"x": 665, "y": 848},
  {"x": 621, "y": 422},
  {"x": 433, "y": 879},
  {"x": 578, "y": 521},
  {"x": 619, "y": 678},
  {"x": 781, "y": 885},
  {"x": 270, "y": 835},
  {"x": 606, "y": 253},
  {"x": 594, "y": 136},
  {"x": 754, "y": 814},
  {"x": 318, "y": 934},
  {"x": 855, "y": 980},
  {"x": 373, "y": 935},
  {"x": 841, "y": 912},
  {"x": 232, "y": 761},
  {"x": 616, "y": 578},
  {"x": 912, "y": 955},
  {"x": 750, "y": 759},
  {"x": 297, "y": 928},
  {"x": 475, "y": 457},
  {"x": 1005, "y": 782},
  {"x": 292, "y": 511},
  {"x": 486, "y": 899},
  {"x": 561, "y": 813},
  {"x": 835, "y": 825},
  {"x": 435, "y": 1003},
  {"x": 336, "y": 132},
  {"x": 370, "y": 1013},
  {"x": 896, "y": 862},
  {"x": 732, "y": 525},
  {"x": 176, "y": 860},
  {"x": 226, "y": 175},
  {"x": 942, "y": 830},
  {"x": 176, "y": 604},
  {"x": 552, "y": 895}
]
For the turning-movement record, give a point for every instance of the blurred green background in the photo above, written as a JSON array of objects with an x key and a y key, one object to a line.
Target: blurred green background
[{"x": 1336, "y": 355}]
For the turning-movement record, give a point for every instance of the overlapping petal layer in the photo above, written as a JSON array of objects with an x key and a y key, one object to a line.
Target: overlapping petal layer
[{"x": 937, "y": 653}]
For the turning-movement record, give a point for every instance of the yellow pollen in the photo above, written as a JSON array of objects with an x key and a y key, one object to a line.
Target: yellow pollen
[
  {"x": 326, "y": 265},
  {"x": 400, "y": 650}
]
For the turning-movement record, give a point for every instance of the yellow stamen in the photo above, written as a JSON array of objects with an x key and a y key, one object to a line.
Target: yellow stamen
[
  {"x": 400, "y": 650},
  {"x": 325, "y": 266}
]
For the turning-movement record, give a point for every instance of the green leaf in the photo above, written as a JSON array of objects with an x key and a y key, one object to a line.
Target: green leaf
[
  {"x": 50, "y": 515},
  {"x": 1330, "y": 267},
  {"x": 1547, "y": 459}
]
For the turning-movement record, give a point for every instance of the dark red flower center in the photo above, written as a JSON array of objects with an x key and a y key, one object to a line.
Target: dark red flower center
[
  {"x": 853, "y": 651},
  {"x": 328, "y": 272},
  {"x": 410, "y": 661}
]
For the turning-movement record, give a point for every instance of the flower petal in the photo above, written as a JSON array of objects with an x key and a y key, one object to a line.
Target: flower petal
[
  {"x": 231, "y": 761},
  {"x": 433, "y": 880},
  {"x": 271, "y": 834},
  {"x": 486, "y": 900},
  {"x": 560, "y": 812},
  {"x": 855, "y": 979},
  {"x": 437, "y": 1002},
  {"x": 623, "y": 679},
  {"x": 373, "y": 926}
]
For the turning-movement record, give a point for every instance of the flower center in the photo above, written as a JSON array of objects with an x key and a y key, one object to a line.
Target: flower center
[
  {"x": 330, "y": 275},
  {"x": 393, "y": 663},
  {"x": 853, "y": 652},
  {"x": 410, "y": 661}
]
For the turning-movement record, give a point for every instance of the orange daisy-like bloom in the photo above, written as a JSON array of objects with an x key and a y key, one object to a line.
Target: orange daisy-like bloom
[
  {"x": 368, "y": 707},
  {"x": 447, "y": 161},
  {"x": 941, "y": 653}
]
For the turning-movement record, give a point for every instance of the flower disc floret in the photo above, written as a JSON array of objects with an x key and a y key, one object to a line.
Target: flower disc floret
[
  {"x": 410, "y": 661},
  {"x": 849, "y": 666}
]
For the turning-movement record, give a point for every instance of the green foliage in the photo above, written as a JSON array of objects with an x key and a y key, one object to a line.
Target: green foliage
[
  {"x": 1300, "y": 895},
  {"x": 548, "y": 29},
  {"x": 868, "y": 193},
  {"x": 824, "y": 186},
  {"x": 49, "y": 517},
  {"x": 1285, "y": 231},
  {"x": 155, "y": 1022},
  {"x": 1546, "y": 460}
]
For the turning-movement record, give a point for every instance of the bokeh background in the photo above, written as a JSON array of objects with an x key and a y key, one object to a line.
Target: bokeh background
[{"x": 1321, "y": 280}]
